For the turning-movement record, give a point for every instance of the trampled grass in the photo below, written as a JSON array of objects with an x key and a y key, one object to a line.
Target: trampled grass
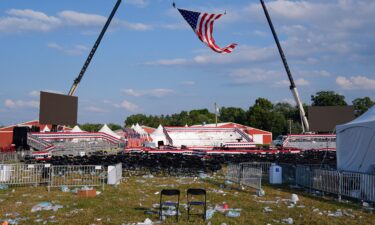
[{"x": 128, "y": 202}]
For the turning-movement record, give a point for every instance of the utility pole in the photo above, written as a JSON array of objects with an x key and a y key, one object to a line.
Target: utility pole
[{"x": 216, "y": 111}]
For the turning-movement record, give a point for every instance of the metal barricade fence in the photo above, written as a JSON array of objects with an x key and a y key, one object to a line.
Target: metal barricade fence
[
  {"x": 354, "y": 185},
  {"x": 264, "y": 166},
  {"x": 22, "y": 174},
  {"x": 233, "y": 173},
  {"x": 13, "y": 157},
  {"x": 244, "y": 174},
  {"x": 251, "y": 177},
  {"x": 303, "y": 175},
  {"x": 77, "y": 176},
  {"x": 288, "y": 173}
]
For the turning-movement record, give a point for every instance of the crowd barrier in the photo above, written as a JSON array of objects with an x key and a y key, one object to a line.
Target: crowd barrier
[
  {"x": 244, "y": 174},
  {"x": 52, "y": 175}
]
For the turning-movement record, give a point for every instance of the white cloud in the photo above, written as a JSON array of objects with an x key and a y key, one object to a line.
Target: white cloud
[
  {"x": 302, "y": 82},
  {"x": 35, "y": 93},
  {"x": 168, "y": 62},
  {"x": 131, "y": 107},
  {"x": 75, "y": 50},
  {"x": 251, "y": 76},
  {"x": 27, "y": 20},
  {"x": 82, "y": 19},
  {"x": 356, "y": 83},
  {"x": 15, "y": 104},
  {"x": 188, "y": 83},
  {"x": 96, "y": 109},
  {"x": 30, "y": 20},
  {"x": 158, "y": 92},
  {"x": 286, "y": 83},
  {"x": 289, "y": 100},
  {"x": 134, "y": 26},
  {"x": 138, "y": 3}
]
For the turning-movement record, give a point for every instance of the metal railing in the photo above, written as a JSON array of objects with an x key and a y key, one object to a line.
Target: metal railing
[
  {"x": 13, "y": 157},
  {"x": 355, "y": 185},
  {"x": 22, "y": 174},
  {"x": 244, "y": 174},
  {"x": 52, "y": 176},
  {"x": 76, "y": 176}
]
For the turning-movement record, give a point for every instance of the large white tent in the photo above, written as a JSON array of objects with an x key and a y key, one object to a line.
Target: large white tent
[
  {"x": 76, "y": 129},
  {"x": 356, "y": 144},
  {"x": 158, "y": 135},
  {"x": 107, "y": 130}
]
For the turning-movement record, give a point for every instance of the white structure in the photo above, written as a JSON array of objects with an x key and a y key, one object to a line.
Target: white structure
[
  {"x": 158, "y": 136},
  {"x": 205, "y": 137},
  {"x": 275, "y": 174},
  {"x": 76, "y": 129},
  {"x": 356, "y": 144},
  {"x": 140, "y": 130},
  {"x": 46, "y": 129},
  {"x": 105, "y": 129}
]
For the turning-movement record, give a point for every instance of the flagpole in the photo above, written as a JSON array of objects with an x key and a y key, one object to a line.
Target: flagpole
[
  {"x": 215, "y": 114},
  {"x": 292, "y": 87}
]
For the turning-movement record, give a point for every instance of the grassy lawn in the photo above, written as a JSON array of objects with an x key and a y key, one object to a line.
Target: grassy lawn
[{"x": 128, "y": 202}]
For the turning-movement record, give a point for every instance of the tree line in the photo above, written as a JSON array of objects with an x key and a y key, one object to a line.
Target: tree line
[{"x": 279, "y": 118}]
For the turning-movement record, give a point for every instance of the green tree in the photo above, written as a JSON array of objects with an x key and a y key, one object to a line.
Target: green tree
[
  {"x": 91, "y": 127},
  {"x": 114, "y": 126},
  {"x": 361, "y": 105},
  {"x": 232, "y": 114},
  {"x": 328, "y": 98},
  {"x": 262, "y": 116},
  {"x": 136, "y": 118},
  {"x": 200, "y": 116}
]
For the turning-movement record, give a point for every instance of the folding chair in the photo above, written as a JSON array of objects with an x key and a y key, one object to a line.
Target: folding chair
[
  {"x": 169, "y": 192},
  {"x": 191, "y": 202}
]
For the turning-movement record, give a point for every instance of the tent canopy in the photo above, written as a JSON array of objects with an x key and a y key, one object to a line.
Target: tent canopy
[
  {"x": 76, "y": 129},
  {"x": 356, "y": 144},
  {"x": 107, "y": 130}
]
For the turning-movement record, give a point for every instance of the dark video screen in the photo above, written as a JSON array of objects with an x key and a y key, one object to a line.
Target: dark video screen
[
  {"x": 58, "y": 109},
  {"x": 325, "y": 118}
]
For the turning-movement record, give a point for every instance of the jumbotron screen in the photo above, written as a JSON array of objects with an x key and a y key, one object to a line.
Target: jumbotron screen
[
  {"x": 325, "y": 118},
  {"x": 58, "y": 109}
]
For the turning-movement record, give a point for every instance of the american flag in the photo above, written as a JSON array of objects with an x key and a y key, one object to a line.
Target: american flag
[{"x": 203, "y": 25}]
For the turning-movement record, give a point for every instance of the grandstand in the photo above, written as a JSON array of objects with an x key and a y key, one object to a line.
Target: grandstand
[
  {"x": 204, "y": 137},
  {"x": 73, "y": 143}
]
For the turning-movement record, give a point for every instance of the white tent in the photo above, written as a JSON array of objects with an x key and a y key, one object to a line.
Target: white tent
[
  {"x": 107, "y": 130},
  {"x": 356, "y": 144},
  {"x": 76, "y": 129},
  {"x": 46, "y": 129},
  {"x": 158, "y": 135},
  {"x": 140, "y": 130}
]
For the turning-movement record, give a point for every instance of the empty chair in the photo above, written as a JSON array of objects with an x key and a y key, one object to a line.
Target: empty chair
[
  {"x": 194, "y": 200},
  {"x": 169, "y": 192}
]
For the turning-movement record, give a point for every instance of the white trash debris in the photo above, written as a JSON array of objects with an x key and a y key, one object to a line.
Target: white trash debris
[
  {"x": 146, "y": 222},
  {"x": 365, "y": 204},
  {"x": 260, "y": 192},
  {"x": 338, "y": 213},
  {"x": 45, "y": 206},
  {"x": 288, "y": 220},
  {"x": 294, "y": 198},
  {"x": 267, "y": 209}
]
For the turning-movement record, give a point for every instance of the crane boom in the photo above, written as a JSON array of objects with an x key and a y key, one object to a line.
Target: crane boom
[
  {"x": 93, "y": 50},
  {"x": 292, "y": 87}
]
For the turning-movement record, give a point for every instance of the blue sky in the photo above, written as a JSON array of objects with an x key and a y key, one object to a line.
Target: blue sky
[{"x": 151, "y": 62}]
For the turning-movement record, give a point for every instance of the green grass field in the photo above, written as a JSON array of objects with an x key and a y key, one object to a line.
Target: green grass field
[{"x": 128, "y": 202}]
